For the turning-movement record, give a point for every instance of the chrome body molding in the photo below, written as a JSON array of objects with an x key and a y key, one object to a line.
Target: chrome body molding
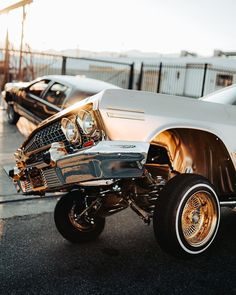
[{"x": 228, "y": 204}]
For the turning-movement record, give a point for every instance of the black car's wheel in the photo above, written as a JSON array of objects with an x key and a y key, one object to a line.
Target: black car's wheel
[
  {"x": 187, "y": 215},
  {"x": 12, "y": 116},
  {"x": 72, "y": 227}
]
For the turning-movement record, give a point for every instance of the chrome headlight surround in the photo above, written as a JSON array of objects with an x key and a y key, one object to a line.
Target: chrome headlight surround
[
  {"x": 87, "y": 122},
  {"x": 71, "y": 131}
]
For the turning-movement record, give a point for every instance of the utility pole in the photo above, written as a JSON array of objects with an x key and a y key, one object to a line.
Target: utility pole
[
  {"x": 21, "y": 43},
  {"x": 6, "y": 62},
  {"x": 6, "y": 10}
]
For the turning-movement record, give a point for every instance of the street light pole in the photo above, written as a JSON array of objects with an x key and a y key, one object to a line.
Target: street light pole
[{"x": 6, "y": 61}]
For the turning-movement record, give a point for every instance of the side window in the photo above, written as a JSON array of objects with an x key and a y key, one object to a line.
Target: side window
[
  {"x": 38, "y": 87},
  {"x": 57, "y": 94}
]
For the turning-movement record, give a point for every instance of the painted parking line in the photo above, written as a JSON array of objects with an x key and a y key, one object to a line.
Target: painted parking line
[{"x": 1, "y": 227}]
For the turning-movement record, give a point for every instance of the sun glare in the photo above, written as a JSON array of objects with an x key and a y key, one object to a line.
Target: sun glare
[
  {"x": 12, "y": 22},
  {"x": 112, "y": 25}
]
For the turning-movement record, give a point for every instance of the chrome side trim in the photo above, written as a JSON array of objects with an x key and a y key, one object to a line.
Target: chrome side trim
[
  {"x": 228, "y": 203},
  {"x": 126, "y": 114}
]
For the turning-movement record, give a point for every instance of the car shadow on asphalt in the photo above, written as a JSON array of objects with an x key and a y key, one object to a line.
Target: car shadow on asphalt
[
  {"x": 125, "y": 260},
  {"x": 135, "y": 259}
]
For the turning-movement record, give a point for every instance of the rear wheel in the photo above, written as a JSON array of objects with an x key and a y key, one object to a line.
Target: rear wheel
[
  {"x": 71, "y": 226},
  {"x": 187, "y": 215},
  {"x": 12, "y": 116}
]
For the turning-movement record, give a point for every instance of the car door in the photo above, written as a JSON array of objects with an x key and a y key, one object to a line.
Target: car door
[
  {"x": 52, "y": 100},
  {"x": 32, "y": 97}
]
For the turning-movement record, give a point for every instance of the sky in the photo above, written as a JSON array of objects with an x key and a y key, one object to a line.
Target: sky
[{"x": 162, "y": 26}]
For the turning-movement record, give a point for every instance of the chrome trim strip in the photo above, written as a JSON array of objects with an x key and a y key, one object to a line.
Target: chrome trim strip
[
  {"x": 228, "y": 203},
  {"x": 125, "y": 114},
  {"x": 43, "y": 148},
  {"x": 125, "y": 110}
]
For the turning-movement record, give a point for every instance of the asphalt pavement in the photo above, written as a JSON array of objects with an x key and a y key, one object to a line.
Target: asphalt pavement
[
  {"x": 35, "y": 259},
  {"x": 126, "y": 259}
]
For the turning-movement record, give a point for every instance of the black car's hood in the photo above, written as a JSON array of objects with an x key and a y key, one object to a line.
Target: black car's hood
[{"x": 15, "y": 85}]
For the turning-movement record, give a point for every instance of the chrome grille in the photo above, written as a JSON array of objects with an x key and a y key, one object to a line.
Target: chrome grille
[
  {"x": 50, "y": 178},
  {"x": 26, "y": 186},
  {"x": 46, "y": 136}
]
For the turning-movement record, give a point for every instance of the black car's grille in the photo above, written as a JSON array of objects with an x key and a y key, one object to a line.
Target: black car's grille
[{"x": 48, "y": 135}]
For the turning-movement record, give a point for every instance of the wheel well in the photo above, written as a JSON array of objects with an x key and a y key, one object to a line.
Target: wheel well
[{"x": 194, "y": 151}]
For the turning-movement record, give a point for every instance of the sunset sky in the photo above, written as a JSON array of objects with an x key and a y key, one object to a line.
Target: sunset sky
[{"x": 163, "y": 26}]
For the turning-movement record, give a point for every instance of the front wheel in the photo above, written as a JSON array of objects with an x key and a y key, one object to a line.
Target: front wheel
[
  {"x": 71, "y": 226},
  {"x": 12, "y": 116},
  {"x": 187, "y": 215}
]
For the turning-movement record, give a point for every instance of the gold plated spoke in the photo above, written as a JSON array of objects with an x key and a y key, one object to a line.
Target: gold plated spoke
[{"x": 199, "y": 218}]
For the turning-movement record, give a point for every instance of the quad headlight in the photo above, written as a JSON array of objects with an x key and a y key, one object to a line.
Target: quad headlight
[
  {"x": 76, "y": 126},
  {"x": 87, "y": 122},
  {"x": 71, "y": 131}
]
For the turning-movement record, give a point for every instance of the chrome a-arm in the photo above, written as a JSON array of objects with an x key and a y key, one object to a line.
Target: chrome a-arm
[{"x": 104, "y": 161}]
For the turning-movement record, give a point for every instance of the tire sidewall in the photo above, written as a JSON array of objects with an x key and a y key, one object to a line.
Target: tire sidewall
[
  {"x": 179, "y": 210},
  {"x": 12, "y": 116},
  {"x": 10, "y": 113},
  {"x": 65, "y": 226}
]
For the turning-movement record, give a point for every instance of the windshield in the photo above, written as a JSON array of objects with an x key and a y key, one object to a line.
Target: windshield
[{"x": 225, "y": 96}]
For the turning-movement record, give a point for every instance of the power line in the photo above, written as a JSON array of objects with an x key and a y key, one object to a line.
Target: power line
[{"x": 14, "y": 6}]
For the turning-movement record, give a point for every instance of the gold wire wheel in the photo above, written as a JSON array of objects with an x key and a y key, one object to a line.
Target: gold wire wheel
[{"x": 199, "y": 218}]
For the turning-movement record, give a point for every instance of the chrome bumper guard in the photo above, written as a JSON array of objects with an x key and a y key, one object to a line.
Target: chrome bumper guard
[{"x": 106, "y": 160}]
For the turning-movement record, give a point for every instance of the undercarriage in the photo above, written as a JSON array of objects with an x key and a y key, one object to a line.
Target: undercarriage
[{"x": 140, "y": 194}]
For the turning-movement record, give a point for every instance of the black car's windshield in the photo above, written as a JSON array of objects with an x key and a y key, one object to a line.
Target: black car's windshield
[{"x": 224, "y": 96}]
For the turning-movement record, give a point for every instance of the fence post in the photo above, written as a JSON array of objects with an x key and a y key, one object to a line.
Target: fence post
[
  {"x": 159, "y": 78},
  {"x": 204, "y": 79},
  {"x": 140, "y": 81},
  {"x": 63, "y": 66},
  {"x": 131, "y": 76}
]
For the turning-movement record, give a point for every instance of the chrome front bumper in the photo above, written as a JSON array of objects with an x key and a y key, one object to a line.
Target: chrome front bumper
[{"x": 104, "y": 161}]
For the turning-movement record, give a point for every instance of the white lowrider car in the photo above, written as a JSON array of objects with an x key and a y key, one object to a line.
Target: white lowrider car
[{"x": 171, "y": 159}]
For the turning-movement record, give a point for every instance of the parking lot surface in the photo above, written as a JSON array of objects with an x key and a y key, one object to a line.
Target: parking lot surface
[
  {"x": 35, "y": 259},
  {"x": 125, "y": 260}
]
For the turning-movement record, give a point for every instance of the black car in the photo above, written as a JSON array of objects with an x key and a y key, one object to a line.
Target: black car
[{"x": 45, "y": 96}]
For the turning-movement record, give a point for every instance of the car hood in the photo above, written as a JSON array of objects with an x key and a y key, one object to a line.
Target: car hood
[{"x": 15, "y": 85}]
